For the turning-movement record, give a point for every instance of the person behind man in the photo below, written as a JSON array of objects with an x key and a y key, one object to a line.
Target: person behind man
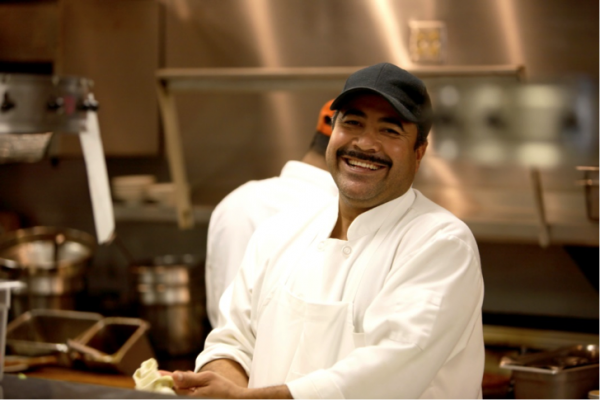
[
  {"x": 377, "y": 295},
  {"x": 236, "y": 217}
]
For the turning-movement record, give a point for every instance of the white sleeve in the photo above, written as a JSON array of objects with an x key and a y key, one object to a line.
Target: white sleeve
[
  {"x": 229, "y": 232},
  {"x": 424, "y": 314},
  {"x": 234, "y": 338}
]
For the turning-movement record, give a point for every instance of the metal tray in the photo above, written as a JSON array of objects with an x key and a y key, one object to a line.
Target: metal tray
[
  {"x": 116, "y": 344},
  {"x": 45, "y": 332},
  {"x": 564, "y": 373}
]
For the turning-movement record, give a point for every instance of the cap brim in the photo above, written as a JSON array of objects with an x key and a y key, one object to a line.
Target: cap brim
[{"x": 399, "y": 107}]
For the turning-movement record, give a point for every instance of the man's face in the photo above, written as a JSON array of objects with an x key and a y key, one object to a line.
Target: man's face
[{"x": 371, "y": 153}]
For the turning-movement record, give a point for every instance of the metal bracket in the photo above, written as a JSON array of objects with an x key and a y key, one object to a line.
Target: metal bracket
[{"x": 538, "y": 197}]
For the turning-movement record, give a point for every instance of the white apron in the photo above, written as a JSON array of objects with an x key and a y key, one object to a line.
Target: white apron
[{"x": 296, "y": 337}]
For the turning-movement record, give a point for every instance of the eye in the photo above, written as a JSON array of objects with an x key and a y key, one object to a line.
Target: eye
[
  {"x": 391, "y": 131},
  {"x": 351, "y": 121}
]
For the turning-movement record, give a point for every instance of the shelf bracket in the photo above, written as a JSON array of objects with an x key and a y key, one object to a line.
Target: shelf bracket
[
  {"x": 538, "y": 197},
  {"x": 166, "y": 100}
]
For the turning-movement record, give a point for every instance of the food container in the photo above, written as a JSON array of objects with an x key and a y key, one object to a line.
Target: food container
[
  {"x": 114, "y": 344},
  {"x": 170, "y": 295},
  {"x": 565, "y": 373},
  {"x": 45, "y": 332},
  {"x": 590, "y": 184}
]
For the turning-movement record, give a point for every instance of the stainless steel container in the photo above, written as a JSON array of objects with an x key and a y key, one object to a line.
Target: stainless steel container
[
  {"x": 170, "y": 295},
  {"x": 565, "y": 373},
  {"x": 590, "y": 184},
  {"x": 113, "y": 344},
  {"x": 51, "y": 261},
  {"x": 45, "y": 332}
]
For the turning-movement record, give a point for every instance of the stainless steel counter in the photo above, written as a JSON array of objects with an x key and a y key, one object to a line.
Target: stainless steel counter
[{"x": 20, "y": 387}]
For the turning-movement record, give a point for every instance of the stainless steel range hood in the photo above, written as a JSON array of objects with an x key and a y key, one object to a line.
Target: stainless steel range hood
[{"x": 232, "y": 132}]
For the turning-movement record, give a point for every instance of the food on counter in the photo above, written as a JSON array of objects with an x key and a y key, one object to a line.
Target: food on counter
[{"x": 147, "y": 378}]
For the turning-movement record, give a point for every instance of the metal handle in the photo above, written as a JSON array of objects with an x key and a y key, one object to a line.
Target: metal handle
[{"x": 86, "y": 350}]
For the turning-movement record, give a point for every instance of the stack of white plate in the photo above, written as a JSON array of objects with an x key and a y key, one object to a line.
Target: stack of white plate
[
  {"x": 162, "y": 193},
  {"x": 131, "y": 189}
]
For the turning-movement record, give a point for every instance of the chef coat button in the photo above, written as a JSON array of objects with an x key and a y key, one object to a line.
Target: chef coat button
[
  {"x": 321, "y": 245},
  {"x": 347, "y": 250}
]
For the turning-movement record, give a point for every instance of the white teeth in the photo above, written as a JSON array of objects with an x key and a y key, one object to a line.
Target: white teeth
[{"x": 363, "y": 164}]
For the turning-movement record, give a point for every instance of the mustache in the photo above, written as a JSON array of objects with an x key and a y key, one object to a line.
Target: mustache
[{"x": 363, "y": 156}]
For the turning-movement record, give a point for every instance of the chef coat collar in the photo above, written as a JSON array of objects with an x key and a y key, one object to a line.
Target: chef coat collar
[
  {"x": 306, "y": 172},
  {"x": 370, "y": 221}
]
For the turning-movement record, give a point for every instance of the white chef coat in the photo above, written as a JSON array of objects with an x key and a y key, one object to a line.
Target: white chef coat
[
  {"x": 416, "y": 313},
  {"x": 236, "y": 217}
]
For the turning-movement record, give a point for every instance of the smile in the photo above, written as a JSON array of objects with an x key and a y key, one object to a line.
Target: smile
[{"x": 362, "y": 164}]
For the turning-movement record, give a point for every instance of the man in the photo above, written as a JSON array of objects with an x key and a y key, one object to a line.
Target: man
[
  {"x": 377, "y": 295},
  {"x": 236, "y": 217}
]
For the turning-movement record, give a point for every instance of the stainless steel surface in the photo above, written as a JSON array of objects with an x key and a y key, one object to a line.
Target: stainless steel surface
[
  {"x": 38, "y": 103},
  {"x": 555, "y": 361},
  {"x": 170, "y": 295},
  {"x": 547, "y": 37},
  {"x": 274, "y": 127},
  {"x": 260, "y": 80},
  {"x": 565, "y": 373},
  {"x": 114, "y": 344},
  {"x": 497, "y": 123},
  {"x": 23, "y": 148},
  {"x": 45, "y": 332}
]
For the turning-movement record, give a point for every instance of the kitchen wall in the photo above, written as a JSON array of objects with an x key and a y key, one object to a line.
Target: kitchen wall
[{"x": 230, "y": 138}]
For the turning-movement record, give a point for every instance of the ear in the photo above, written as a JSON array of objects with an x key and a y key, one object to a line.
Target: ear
[{"x": 420, "y": 152}]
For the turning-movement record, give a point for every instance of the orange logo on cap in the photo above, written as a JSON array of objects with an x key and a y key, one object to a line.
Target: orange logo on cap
[{"x": 325, "y": 116}]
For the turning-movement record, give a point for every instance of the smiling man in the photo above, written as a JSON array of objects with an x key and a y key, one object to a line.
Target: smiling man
[{"x": 376, "y": 295}]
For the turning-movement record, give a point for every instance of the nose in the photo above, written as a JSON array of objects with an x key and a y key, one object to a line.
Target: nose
[{"x": 368, "y": 140}]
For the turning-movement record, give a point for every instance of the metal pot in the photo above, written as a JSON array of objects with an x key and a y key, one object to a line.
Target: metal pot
[
  {"x": 51, "y": 262},
  {"x": 170, "y": 295}
]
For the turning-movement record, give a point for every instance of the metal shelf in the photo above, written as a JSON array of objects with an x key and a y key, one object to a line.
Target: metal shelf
[
  {"x": 172, "y": 80},
  {"x": 158, "y": 213}
]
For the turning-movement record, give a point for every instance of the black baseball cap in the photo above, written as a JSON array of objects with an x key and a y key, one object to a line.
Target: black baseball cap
[{"x": 404, "y": 91}]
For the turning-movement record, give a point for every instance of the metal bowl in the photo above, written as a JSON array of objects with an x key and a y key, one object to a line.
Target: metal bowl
[
  {"x": 43, "y": 249},
  {"x": 50, "y": 261}
]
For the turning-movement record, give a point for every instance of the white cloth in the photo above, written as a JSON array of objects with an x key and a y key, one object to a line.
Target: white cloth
[
  {"x": 147, "y": 378},
  {"x": 237, "y": 216},
  {"x": 415, "y": 319}
]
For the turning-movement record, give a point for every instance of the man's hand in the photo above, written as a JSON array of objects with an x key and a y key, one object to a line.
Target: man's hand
[
  {"x": 212, "y": 385},
  {"x": 205, "y": 384}
]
